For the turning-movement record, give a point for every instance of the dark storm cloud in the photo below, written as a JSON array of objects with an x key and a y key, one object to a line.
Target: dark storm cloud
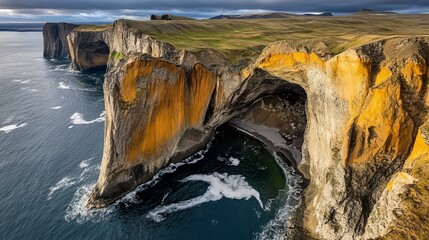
[
  {"x": 109, "y": 10},
  {"x": 343, "y": 6}
]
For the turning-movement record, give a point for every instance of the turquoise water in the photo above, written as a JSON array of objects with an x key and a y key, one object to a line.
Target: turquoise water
[{"x": 51, "y": 138}]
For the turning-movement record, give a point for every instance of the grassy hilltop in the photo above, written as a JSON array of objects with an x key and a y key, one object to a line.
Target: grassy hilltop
[{"x": 247, "y": 37}]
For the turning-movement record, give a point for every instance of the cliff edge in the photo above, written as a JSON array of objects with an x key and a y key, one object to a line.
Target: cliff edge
[{"x": 365, "y": 148}]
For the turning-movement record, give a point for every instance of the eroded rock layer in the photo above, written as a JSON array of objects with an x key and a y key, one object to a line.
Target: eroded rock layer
[{"x": 365, "y": 146}]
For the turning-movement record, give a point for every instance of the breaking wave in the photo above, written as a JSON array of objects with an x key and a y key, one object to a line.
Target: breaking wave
[
  {"x": 85, "y": 163},
  {"x": 221, "y": 185},
  {"x": 77, "y": 119},
  {"x": 62, "y": 85},
  {"x": 290, "y": 199},
  {"x": 10, "y": 128},
  {"x": 131, "y": 197},
  {"x": 62, "y": 184},
  {"x": 77, "y": 210}
]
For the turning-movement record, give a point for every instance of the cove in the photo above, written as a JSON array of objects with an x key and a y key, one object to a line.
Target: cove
[
  {"x": 233, "y": 189},
  {"x": 50, "y": 163}
]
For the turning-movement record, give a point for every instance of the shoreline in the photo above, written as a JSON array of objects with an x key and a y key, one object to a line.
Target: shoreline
[
  {"x": 289, "y": 153},
  {"x": 283, "y": 151},
  {"x": 293, "y": 224}
]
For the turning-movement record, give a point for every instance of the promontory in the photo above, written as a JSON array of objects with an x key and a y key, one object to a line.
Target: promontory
[{"x": 364, "y": 84}]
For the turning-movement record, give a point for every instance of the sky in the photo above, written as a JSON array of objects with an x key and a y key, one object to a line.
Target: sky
[{"x": 109, "y": 10}]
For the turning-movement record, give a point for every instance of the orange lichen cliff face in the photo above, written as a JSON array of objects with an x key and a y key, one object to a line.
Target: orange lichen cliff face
[
  {"x": 175, "y": 101},
  {"x": 363, "y": 149}
]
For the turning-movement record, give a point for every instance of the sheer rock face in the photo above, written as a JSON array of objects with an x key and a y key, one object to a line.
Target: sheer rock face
[
  {"x": 365, "y": 146},
  {"x": 89, "y": 49},
  {"x": 55, "y": 40},
  {"x": 363, "y": 149}
]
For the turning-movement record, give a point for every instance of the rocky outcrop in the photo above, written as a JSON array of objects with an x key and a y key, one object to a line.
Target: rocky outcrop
[
  {"x": 364, "y": 109},
  {"x": 55, "y": 40},
  {"x": 89, "y": 49},
  {"x": 154, "y": 94},
  {"x": 365, "y": 146}
]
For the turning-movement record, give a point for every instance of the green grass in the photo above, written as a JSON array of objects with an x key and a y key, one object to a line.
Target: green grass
[
  {"x": 89, "y": 27},
  {"x": 116, "y": 55},
  {"x": 245, "y": 38}
]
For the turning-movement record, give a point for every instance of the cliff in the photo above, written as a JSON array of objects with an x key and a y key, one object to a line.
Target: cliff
[
  {"x": 365, "y": 148},
  {"x": 366, "y": 109},
  {"x": 55, "y": 40}
]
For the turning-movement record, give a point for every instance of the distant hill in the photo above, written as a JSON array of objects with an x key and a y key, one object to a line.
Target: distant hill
[
  {"x": 169, "y": 17},
  {"x": 255, "y": 16},
  {"x": 268, "y": 15},
  {"x": 21, "y": 27},
  {"x": 373, "y": 12}
]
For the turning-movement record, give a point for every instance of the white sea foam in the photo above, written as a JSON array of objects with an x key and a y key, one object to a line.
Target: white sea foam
[
  {"x": 77, "y": 210},
  {"x": 275, "y": 228},
  {"x": 165, "y": 196},
  {"x": 56, "y": 107},
  {"x": 234, "y": 161},
  {"x": 25, "y": 81},
  {"x": 62, "y": 85},
  {"x": 60, "y": 68},
  {"x": 69, "y": 181},
  {"x": 85, "y": 163},
  {"x": 29, "y": 89},
  {"x": 62, "y": 184},
  {"x": 88, "y": 172},
  {"x": 221, "y": 185},
  {"x": 10, "y": 128},
  {"x": 77, "y": 119},
  {"x": 16, "y": 80},
  {"x": 131, "y": 197}
]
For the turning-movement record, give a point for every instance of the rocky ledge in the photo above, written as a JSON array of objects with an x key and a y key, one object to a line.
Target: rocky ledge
[{"x": 366, "y": 141}]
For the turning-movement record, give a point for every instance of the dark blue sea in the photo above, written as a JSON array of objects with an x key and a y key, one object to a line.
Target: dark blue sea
[{"x": 51, "y": 139}]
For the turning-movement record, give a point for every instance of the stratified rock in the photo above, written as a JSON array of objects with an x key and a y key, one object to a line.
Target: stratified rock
[
  {"x": 365, "y": 146},
  {"x": 55, "y": 40}
]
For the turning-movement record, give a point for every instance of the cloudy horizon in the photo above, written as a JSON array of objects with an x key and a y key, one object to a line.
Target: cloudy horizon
[{"x": 109, "y": 10}]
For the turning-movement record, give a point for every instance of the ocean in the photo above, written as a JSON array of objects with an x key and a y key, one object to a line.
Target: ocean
[{"x": 51, "y": 139}]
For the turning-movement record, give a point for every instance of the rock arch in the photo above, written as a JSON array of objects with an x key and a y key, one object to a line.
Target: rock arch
[{"x": 88, "y": 52}]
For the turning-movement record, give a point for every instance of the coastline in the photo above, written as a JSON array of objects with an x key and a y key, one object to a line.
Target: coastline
[
  {"x": 293, "y": 224},
  {"x": 271, "y": 138}
]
